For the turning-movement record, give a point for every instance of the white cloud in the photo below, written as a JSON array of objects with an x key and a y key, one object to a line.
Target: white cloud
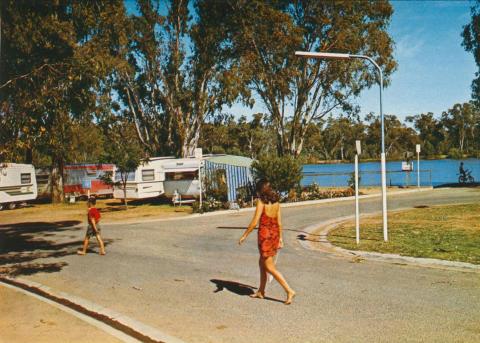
[{"x": 409, "y": 45}]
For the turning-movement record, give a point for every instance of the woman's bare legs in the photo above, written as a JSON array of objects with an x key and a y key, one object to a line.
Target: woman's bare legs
[
  {"x": 263, "y": 279},
  {"x": 270, "y": 267}
]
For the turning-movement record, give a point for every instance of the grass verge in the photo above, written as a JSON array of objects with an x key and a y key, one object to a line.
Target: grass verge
[{"x": 443, "y": 232}]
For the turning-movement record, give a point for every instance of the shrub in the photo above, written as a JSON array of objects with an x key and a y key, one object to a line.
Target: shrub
[
  {"x": 284, "y": 173},
  {"x": 455, "y": 153},
  {"x": 314, "y": 192},
  {"x": 208, "y": 205}
]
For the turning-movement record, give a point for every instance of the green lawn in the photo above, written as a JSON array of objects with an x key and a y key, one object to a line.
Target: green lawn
[{"x": 443, "y": 232}]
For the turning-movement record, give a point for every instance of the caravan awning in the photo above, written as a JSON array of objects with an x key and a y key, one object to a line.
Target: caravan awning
[{"x": 180, "y": 170}]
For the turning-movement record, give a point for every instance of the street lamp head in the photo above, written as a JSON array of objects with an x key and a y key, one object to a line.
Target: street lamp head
[{"x": 321, "y": 54}]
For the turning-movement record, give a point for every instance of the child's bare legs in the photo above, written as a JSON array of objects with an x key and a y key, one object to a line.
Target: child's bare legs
[
  {"x": 102, "y": 246},
  {"x": 270, "y": 267},
  {"x": 263, "y": 279},
  {"x": 85, "y": 246}
]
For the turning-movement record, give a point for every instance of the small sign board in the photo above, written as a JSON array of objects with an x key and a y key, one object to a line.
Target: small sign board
[
  {"x": 87, "y": 184},
  {"x": 407, "y": 166},
  {"x": 417, "y": 148},
  {"x": 359, "y": 147},
  {"x": 198, "y": 153}
]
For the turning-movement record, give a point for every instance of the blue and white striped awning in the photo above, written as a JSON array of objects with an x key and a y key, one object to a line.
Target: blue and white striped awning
[{"x": 236, "y": 177}]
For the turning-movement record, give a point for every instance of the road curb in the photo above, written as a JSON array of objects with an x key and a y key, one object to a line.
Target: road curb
[
  {"x": 139, "y": 332},
  {"x": 284, "y": 205},
  {"x": 321, "y": 230}
]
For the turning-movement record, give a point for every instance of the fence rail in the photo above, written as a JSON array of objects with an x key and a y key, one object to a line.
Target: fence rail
[{"x": 368, "y": 178}]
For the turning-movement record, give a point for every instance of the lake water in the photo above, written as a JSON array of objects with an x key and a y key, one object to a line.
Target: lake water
[{"x": 432, "y": 173}]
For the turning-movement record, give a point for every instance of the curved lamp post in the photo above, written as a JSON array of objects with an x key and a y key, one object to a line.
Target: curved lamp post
[{"x": 383, "y": 167}]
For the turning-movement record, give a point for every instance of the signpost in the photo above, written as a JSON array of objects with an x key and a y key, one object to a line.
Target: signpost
[
  {"x": 417, "y": 148},
  {"x": 320, "y": 54},
  {"x": 199, "y": 155},
  {"x": 357, "y": 210}
]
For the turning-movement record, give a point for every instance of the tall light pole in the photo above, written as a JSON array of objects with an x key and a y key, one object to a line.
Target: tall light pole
[{"x": 383, "y": 166}]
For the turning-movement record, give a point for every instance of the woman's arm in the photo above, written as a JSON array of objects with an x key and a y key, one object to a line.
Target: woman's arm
[
  {"x": 254, "y": 222},
  {"x": 280, "y": 226}
]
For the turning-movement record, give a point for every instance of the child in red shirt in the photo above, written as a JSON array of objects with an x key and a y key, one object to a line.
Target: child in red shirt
[{"x": 93, "y": 218}]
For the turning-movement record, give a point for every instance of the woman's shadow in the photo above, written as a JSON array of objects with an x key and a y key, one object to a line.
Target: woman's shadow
[{"x": 237, "y": 288}]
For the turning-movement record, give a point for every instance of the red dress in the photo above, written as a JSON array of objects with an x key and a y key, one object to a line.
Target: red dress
[{"x": 268, "y": 235}]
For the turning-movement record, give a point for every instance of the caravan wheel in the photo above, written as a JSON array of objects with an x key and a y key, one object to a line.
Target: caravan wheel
[
  {"x": 11, "y": 206},
  {"x": 2, "y": 206}
]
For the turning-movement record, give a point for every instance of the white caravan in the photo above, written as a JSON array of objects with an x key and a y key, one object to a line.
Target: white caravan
[
  {"x": 17, "y": 184},
  {"x": 182, "y": 177},
  {"x": 145, "y": 182}
]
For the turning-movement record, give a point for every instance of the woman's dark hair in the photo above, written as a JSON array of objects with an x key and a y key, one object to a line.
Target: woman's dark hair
[
  {"x": 92, "y": 201},
  {"x": 266, "y": 193}
]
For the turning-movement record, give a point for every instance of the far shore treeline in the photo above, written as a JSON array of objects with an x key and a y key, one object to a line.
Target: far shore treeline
[{"x": 118, "y": 81}]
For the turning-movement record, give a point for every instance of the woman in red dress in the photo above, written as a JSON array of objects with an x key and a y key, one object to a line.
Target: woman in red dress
[{"x": 269, "y": 238}]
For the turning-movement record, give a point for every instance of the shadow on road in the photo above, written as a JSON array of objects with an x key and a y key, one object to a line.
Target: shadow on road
[
  {"x": 232, "y": 286},
  {"x": 244, "y": 228},
  {"x": 237, "y": 288},
  {"x": 22, "y": 245}
]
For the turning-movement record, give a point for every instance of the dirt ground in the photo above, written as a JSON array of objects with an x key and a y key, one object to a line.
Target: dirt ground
[
  {"x": 112, "y": 210},
  {"x": 24, "y": 319}
]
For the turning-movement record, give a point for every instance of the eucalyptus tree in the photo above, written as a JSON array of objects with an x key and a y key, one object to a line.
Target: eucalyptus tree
[
  {"x": 55, "y": 55},
  {"x": 461, "y": 123},
  {"x": 176, "y": 77},
  {"x": 262, "y": 37},
  {"x": 430, "y": 131},
  {"x": 471, "y": 42}
]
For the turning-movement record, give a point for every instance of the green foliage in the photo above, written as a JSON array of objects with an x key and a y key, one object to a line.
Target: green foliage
[
  {"x": 55, "y": 57},
  {"x": 471, "y": 42},
  {"x": 284, "y": 173}
]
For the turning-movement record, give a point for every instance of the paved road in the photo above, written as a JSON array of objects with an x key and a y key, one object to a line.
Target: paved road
[{"x": 190, "y": 279}]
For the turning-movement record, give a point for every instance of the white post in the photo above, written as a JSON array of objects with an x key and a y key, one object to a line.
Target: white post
[
  {"x": 200, "y": 184},
  {"x": 418, "y": 165},
  {"x": 198, "y": 153},
  {"x": 357, "y": 211},
  {"x": 384, "y": 198}
]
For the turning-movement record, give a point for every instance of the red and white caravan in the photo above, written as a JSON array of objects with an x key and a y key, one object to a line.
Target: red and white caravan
[{"x": 83, "y": 179}]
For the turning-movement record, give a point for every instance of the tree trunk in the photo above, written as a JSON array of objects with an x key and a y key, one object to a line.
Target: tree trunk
[
  {"x": 29, "y": 156},
  {"x": 124, "y": 179},
  {"x": 57, "y": 182}
]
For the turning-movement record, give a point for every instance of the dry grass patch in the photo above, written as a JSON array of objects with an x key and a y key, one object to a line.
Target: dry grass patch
[
  {"x": 443, "y": 232},
  {"x": 112, "y": 211}
]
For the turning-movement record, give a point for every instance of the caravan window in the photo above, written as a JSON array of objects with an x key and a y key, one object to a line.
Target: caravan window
[
  {"x": 193, "y": 175},
  {"x": 25, "y": 178},
  {"x": 148, "y": 175}
]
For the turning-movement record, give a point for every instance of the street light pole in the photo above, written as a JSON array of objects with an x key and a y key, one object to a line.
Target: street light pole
[{"x": 382, "y": 155}]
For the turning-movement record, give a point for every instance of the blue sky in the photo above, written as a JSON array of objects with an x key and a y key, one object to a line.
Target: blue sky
[{"x": 434, "y": 71}]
